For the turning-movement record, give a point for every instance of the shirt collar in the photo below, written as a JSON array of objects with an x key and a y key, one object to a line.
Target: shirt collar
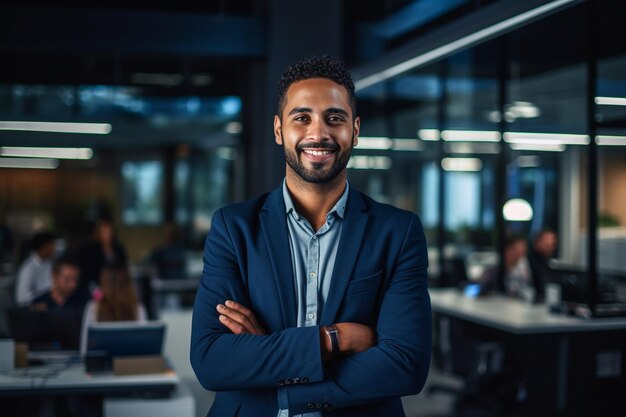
[{"x": 339, "y": 209}]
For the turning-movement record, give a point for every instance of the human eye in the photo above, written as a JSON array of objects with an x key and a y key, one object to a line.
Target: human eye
[
  {"x": 301, "y": 118},
  {"x": 335, "y": 118}
]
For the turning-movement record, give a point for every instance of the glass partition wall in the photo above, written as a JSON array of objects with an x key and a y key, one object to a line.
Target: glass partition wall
[
  {"x": 610, "y": 137},
  {"x": 515, "y": 136}
]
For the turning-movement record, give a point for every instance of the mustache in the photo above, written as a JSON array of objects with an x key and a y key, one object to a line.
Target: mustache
[{"x": 317, "y": 145}]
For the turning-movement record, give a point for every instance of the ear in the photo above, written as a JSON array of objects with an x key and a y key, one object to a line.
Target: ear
[
  {"x": 357, "y": 129},
  {"x": 278, "y": 136}
]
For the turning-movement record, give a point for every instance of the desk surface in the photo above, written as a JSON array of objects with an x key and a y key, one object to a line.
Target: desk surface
[
  {"x": 65, "y": 378},
  {"x": 514, "y": 316}
]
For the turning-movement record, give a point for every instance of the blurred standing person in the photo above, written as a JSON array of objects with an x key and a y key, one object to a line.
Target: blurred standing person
[
  {"x": 541, "y": 251},
  {"x": 35, "y": 274},
  {"x": 103, "y": 250},
  {"x": 117, "y": 302}
]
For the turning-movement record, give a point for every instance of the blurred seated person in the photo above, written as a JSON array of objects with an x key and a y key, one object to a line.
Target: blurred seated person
[
  {"x": 35, "y": 274},
  {"x": 63, "y": 294},
  {"x": 515, "y": 248},
  {"x": 542, "y": 249},
  {"x": 117, "y": 301},
  {"x": 103, "y": 250},
  {"x": 170, "y": 259}
]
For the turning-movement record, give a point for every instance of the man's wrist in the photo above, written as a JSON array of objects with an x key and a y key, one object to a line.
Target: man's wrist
[{"x": 333, "y": 337}]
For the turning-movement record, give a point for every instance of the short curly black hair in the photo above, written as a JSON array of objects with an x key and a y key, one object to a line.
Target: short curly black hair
[{"x": 316, "y": 67}]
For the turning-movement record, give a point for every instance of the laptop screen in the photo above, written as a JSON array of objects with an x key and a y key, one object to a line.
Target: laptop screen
[{"x": 45, "y": 330}]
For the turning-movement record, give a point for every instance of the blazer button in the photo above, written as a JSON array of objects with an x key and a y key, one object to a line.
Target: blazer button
[
  {"x": 287, "y": 381},
  {"x": 318, "y": 405},
  {"x": 305, "y": 379},
  {"x": 281, "y": 382},
  {"x": 296, "y": 380},
  {"x": 325, "y": 405},
  {"x": 310, "y": 405}
]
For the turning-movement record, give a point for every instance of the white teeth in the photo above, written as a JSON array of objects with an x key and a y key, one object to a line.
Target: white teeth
[{"x": 317, "y": 153}]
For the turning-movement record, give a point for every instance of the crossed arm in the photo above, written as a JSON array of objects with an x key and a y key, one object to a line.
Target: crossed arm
[
  {"x": 352, "y": 337},
  {"x": 230, "y": 350}
]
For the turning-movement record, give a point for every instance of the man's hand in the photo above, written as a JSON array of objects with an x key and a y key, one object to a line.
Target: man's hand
[
  {"x": 354, "y": 337},
  {"x": 239, "y": 319}
]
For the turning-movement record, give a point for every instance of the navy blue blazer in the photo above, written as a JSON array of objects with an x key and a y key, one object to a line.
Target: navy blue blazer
[{"x": 379, "y": 279}]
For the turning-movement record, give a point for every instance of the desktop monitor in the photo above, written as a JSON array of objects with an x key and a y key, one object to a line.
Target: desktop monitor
[
  {"x": 47, "y": 329},
  {"x": 575, "y": 293},
  {"x": 126, "y": 338}
]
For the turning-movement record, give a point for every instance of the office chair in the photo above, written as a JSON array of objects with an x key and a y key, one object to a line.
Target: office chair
[
  {"x": 453, "y": 273},
  {"x": 479, "y": 363}
]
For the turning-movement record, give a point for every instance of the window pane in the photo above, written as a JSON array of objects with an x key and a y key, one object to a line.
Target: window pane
[
  {"x": 611, "y": 119},
  {"x": 546, "y": 134}
]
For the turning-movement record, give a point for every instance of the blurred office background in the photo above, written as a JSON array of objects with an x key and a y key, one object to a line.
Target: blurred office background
[{"x": 167, "y": 110}]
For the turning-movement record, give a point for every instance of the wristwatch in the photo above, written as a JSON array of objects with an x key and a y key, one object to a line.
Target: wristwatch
[{"x": 331, "y": 331}]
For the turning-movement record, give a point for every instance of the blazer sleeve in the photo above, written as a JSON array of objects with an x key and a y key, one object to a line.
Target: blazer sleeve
[
  {"x": 225, "y": 361},
  {"x": 398, "y": 364}
]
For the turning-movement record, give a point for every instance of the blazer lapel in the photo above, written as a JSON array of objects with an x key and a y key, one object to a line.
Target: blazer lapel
[
  {"x": 352, "y": 232},
  {"x": 274, "y": 225}
]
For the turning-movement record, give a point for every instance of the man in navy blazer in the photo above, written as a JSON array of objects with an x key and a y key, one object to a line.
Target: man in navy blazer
[{"x": 313, "y": 298}]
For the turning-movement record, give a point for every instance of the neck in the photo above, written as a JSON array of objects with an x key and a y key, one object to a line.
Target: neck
[{"x": 314, "y": 201}]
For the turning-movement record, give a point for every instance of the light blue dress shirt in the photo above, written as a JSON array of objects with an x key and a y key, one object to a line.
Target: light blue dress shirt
[{"x": 313, "y": 256}]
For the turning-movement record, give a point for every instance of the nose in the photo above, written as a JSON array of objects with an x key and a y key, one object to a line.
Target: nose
[{"x": 318, "y": 130}]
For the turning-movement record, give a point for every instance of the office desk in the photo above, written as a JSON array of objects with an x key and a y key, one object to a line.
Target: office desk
[
  {"x": 572, "y": 366},
  {"x": 72, "y": 379},
  {"x": 515, "y": 316},
  {"x": 149, "y": 394}
]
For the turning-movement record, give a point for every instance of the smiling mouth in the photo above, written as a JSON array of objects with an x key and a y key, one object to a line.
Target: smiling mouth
[{"x": 316, "y": 152}]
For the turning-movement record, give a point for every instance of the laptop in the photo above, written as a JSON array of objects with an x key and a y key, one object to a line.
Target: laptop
[
  {"x": 57, "y": 329},
  {"x": 126, "y": 338}
]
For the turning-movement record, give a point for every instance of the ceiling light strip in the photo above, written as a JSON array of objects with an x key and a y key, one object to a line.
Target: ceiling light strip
[
  {"x": 546, "y": 138},
  {"x": 407, "y": 145},
  {"x": 470, "y": 136},
  {"x": 557, "y": 147},
  {"x": 428, "y": 134},
  {"x": 611, "y": 140},
  {"x": 40, "y": 152},
  {"x": 31, "y": 163},
  {"x": 611, "y": 101},
  {"x": 458, "y": 44},
  {"x": 57, "y": 127},
  {"x": 378, "y": 143},
  {"x": 461, "y": 164}
]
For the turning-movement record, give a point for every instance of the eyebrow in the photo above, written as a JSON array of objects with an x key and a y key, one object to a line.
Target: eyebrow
[
  {"x": 309, "y": 110},
  {"x": 338, "y": 110},
  {"x": 300, "y": 110}
]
